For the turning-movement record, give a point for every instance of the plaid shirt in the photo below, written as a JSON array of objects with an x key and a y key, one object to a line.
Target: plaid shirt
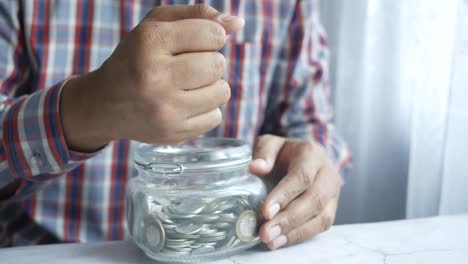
[{"x": 277, "y": 68}]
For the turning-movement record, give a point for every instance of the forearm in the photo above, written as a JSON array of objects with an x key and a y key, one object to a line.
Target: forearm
[
  {"x": 32, "y": 146},
  {"x": 83, "y": 114}
]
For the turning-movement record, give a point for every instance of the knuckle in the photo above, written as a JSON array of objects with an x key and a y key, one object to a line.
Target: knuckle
[
  {"x": 155, "y": 33},
  {"x": 304, "y": 177},
  {"x": 326, "y": 222},
  {"x": 219, "y": 64},
  {"x": 319, "y": 202},
  {"x": 291, "y": 220},
  {"x": 202, "y": 10},
  {"x": 297, "y": 237},
  {"x": 289, "y": 195},
  {"x": 216, "y": 33}
]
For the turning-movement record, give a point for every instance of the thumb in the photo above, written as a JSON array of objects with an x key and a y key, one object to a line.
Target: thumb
[
  {"x": 231, "y": 24},
  {"x": 265, "y": 152}
]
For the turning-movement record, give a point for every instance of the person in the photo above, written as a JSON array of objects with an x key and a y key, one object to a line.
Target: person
[{"x": 82, "y": 82}]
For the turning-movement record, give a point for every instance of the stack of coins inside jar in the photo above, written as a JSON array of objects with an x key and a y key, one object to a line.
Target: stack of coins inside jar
[
  {"x": 198, "y": 225},
  {"x": 194, "y": 202}
]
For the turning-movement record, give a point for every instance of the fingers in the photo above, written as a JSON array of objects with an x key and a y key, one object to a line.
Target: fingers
[
  {"x": 231, "y": 24},
  {"x": 265, "y": 151},
  {"x": 189, "y": 35},
  {"x": 212, "y": 96},
  {"x": 179, "y": 12},
  {"x": 311, "y": 228},
  {"x": 308, "y": 205},
  {"x": 305, "y": 162},
  {"x": 202, "y": 123},
  {"x": 196, "y": 69}
]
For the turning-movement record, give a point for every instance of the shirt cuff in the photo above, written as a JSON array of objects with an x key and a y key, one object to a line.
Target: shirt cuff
[{"x": 33, "y": 137}]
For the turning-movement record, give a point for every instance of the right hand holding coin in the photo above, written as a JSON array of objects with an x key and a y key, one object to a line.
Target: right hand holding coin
[{"x": 162, "y": 84}]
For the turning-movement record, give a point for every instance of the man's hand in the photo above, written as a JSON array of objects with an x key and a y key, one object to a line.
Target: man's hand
[
  {"x": 305, "y": 200},
  {"x": 161, "y": 85}
]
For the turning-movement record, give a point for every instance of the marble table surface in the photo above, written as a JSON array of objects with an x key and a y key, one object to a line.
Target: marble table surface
[{"x": 430, "y": 240}]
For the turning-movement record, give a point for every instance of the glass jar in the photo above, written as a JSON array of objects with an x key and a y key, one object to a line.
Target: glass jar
[{"x": 194, "y": 202}]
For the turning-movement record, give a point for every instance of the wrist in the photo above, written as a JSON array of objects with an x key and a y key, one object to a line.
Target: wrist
[{"x": 84, "y": 119}]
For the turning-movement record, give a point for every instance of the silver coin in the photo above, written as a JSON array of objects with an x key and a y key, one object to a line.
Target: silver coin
[
  {"x": 161, "y": 201},
  {"x": 176, "y": 240},
  {"x": 222, "y": 225},
  {"x": 246, "y": 226},
  {"x": 169, "y": 226},
  {"x": 154, "y": 208},
  {"x": 189, "y": 229},
  {"x": 214, "y": 234},
  {"x": 227, "y": 217},
  {"x": 197, "y": 218},
  {"x": 179, "y": 242},
  {"x": 189, "y": 206},
  {"x": 211, "y": 239},
  {"x": 182, "y": 236},
  {"x": 203, "y": 250},
  {"x": 225, "y": 206},
  {"x": 207, "y": 232},
  {"x": 165, "y": 218},
  {"x": 154, "y": 234},
  {"x": 174, "y": 246}
]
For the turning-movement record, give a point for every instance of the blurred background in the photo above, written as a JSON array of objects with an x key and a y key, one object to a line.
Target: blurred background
[{"x": 399, "y": 72}]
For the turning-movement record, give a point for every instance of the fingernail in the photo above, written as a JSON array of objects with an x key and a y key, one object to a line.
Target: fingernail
[
  {"x": 273, "y": 233},
  {"x": 225, "y": 18},
  {"x": 279, "y": 242},
  {"x": 273, "y": 210}
]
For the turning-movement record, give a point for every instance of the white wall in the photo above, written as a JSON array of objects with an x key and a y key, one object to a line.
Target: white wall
[{"x": 400, "y": 97}]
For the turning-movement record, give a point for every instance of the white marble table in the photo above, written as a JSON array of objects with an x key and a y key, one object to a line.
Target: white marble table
[{"x": 432, "y": 240}]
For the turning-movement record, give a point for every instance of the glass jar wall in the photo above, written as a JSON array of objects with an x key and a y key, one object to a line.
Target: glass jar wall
[{"x": 194, "y": 202}]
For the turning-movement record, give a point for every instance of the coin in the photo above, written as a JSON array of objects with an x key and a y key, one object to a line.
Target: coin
[
  {"x": 182, "y": 236},
  {"x": 227, "y": 217},
  {"x": 164, "y": 217},
  {"x": 189, "y": 206},
  {"x": 222, "y": 225},
  {"x": 161, "y": 201},
  {"x": 154, "y": 234},
  {"x": 216, "y": 233},
  {"x": 207, "y": 239},
  {"x": 246, "y": 226},
  {"x": 188, "y": 229}
]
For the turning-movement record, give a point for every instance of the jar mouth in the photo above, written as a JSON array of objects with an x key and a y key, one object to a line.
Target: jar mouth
[{"x": 194, "y": 156}]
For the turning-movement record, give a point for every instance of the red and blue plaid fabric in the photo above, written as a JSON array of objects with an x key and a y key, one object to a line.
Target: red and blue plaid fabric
[{"x": 277, "y": 68}]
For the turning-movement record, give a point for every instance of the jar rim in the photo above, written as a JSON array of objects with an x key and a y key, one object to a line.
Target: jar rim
[{"x": 195, "y": 155}]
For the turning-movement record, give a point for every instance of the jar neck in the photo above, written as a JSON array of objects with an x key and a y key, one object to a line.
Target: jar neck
[{"x": 198, "y": 179}]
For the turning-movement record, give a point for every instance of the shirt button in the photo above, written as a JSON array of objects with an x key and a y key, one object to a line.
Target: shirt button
[{"x": 36, "y": 160}]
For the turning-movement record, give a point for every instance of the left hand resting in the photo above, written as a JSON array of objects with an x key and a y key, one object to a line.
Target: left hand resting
[{"x": 304, "y": 201}]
